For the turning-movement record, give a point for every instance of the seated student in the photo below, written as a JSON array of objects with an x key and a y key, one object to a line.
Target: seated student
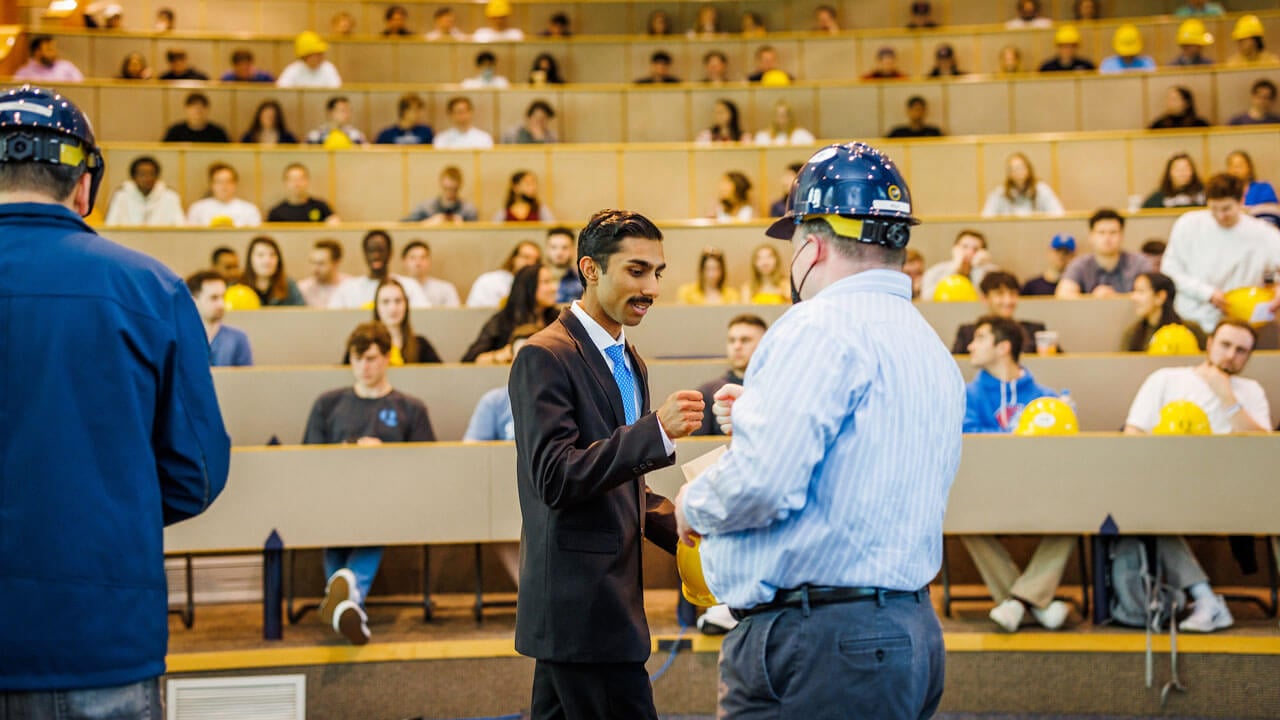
[
  {"x": 1109, "y": 269},
  {"x": 741, "y": 341},
  {"x": 337, "y": 130},
  {"x": 228, "y": 347},
  {"x": 545, "y": 70},
  {"x": 659, "y": 70},
  {"x": 536, "y": 128},
  {"x": 144, "y": 199},
  {"x": 993, "y": 403},
  {"x": 825, "y": 21},
  {"x": 1193, "y": 37},
  {"x": 311, "y": 69},
  {"x": 134, "y": 67},
  {"x": 715, "y": 67},
  {"x": 1028, "y": 16},
  {"x": 768, "y": 284},
  {"x": 180, "y": 67},
  {"x": 326, "y": 273},
  {"x": 1262, "y": 100},
  {"x": 298, "y": 204},
  {"x": 1153, "y": 295},
  {"x": 1153, "y": 251},
  {"x": 359, "y": 292},
  {"x": 1062, "y": 248},
  {"x": 463, "y": 135},
  {"x": 498, "y": 14},
  {"x": 658, "y": 23},
  {"x": 1233, "y": 404},
  {"x": 226, "y": 263},
  {"x": 264, "y": 274},
  {"x": 1180, "y": 111},
  {"x": 1179, "y": 187},
  {"x": 196, "y": 128},
  {"x": 1000, "y": 291},
  {"x": 44, "y": 65},
  {"x": 733, "y": 201},
  {"x": 726, "y": 125},
  {"x": 491, "y": 420},
  {"x": 1021, "y": 194},
  {"x": 391, "y": 308},
  {"x": 445, "y": 26},
  {"x": 243, "y": 69},
  {"x": 532, "y": 301},
  {"x": 448, "y": 207},
  {"x": 417, "y": 266},
  {"x": 944, "y": 62},
  {"x": 1240, "y": 165},
  {"x": 561, "y": 256},
  {"x": 1250, "y": 50},
  {"x": 969, "y": 257},
  {"x": 368, "y": 413},
  {"x": 779, "y": 207},
  {"x": 711, "y": 287},
  {"x": 222, "y": 208},
  {"x": 917, "y": 110},
  {"x": 522, "y": 203},
  {"x": 492, "y": 288},
  {"x": 486, "y": 73},
  {"x": 1009, "y": 60},
  {"x": 557, "y": 26},
  {"x": 1127, "y": 42},
  {"x": 409, "y": 128},
  {"x": 784, "y": 130},
  {"x": 921, "y": 16},
  {"x": 269, "y": 126},
  {"x": 1066, "y": 58},
  {"x": 395, "y": 22},
  {"x": 886, "y": 67}
]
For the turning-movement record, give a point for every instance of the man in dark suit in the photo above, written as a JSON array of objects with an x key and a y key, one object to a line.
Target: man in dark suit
[{"x": 584, "y": 440}]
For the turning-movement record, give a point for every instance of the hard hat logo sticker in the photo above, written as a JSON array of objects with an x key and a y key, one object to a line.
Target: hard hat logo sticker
[{"x": 895, "y": 193}]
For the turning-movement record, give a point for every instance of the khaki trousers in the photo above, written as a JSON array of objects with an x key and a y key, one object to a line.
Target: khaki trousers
[{"x": 1037, "y": 584}]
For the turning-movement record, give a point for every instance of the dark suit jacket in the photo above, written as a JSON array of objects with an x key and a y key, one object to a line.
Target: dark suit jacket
[{"x": 585, "y": 505}]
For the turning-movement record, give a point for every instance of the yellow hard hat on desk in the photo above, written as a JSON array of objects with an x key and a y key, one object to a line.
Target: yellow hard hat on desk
[
  {"x": 242, "y": 297},
  {"x": 1182, "y": 417},
  {"x": 1047, "y": 416},
  {"x": 1173, "y": 339}
]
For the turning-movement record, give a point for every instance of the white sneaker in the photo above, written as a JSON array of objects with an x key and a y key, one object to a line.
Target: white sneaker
[
  {"x": 717, "y": 620},
  {"x": 350, "y": 621},
  {"x": 1053, "y": 614},
  {"x": 341, "y": 587},
  {"x": 1208, "y": 616},
  {"x": 1008, "y": 614}
]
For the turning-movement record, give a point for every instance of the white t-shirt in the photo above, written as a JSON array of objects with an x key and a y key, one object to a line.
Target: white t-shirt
[
  {"x": 1203, "y": 257},
  {"x": 355, "y": 293},
  {"x": 488, "y": 34},
  {"x": 242, "y": 213},
  {"x": 298, "y": 75},
  {"x": 743, "y": 214},
  {"x": 1182, "y": 383},
  {"x": 490, "y": 289},
  {"x": 454, "y": 139},
  {"x": 440, "y": 293},
  {"x": 479, "y": 81},
  {"x": 798, "y": 136}
]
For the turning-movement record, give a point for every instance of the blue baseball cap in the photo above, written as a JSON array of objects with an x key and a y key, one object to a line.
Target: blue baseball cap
[{"x": 1063, "y": 242}]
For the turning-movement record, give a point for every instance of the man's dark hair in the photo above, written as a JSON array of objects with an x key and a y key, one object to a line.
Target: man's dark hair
[
  {"x": 408, "y": 100},
  {"x": 484, "y": 56},
  {"x": 1004, "y": 330},
  {"x": 970, "y": 232},
  {"x": 175, "y": 54},
  {"x": 560, "y": 19},
  {"x": 916, "y": 100},
  {"x": 796, "y": 167},
  {"x": 196, "y": 98},
  {"x": 1263, "y": 83},
  {"x": 1223, "y": 186},
  {"x": 1154, "y": 247},
  {"x": 143, "y": 160},
  {"x": 196, "y": 281},
  {"x": 333, "y": 102},
  {"x": 715, "y": 54},
  {"x": 368, "y": 334},
  {"x": 1105, "y": 214},
  {"x": 364, "y": 243},
  {"x": 660, "y": 56},
  {"x": 441, "y": 12},
  {"x": 870, "y": 253},
  {"x": 218, "y": 167},
  {"x": 748, "y": 319},
  {"x": 219, "y": 252},
  {"x": 826, "y": 8},
  {"x": 560, "y": 230},
  {"x": 998, "y": 280},
  {"x": 393, "y": 10},
  {"x": 1236, "y": 323},
  {"x": 414, "y": 244},
  {"x": 542, "y": 105},
  {"x": 456, "y": 101},
  {"x": 764, "y": 49},
  {"x": 241, "y": 55},
  {"x": 333, "y": 247},
  {"x": 38, "y": 42},
  {"x": 605, "y": 231}
]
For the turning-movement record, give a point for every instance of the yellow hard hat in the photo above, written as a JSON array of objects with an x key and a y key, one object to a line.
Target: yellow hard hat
[
  {"x": 1247, "y": 27},
  {"x": 1067, "y": 35},
  {"x": 775, "y": 78},
  {"x": 241, "y": 297},
  {"x": 1242, "y": 301},
  {"x": 955, "y": 288},
  {"x": 1193, "y": 32},
  {"x": 1127, "y": 41},
  {"x": 497, "y": 8},
  {"x": 1047, "y": 416},
  {"x": 337, "y": 140},
  {"x": 1173, "y": 339},
  {"x": 309, "y": 43},
  {"x": 221, "y": 221},
  {"x": 692, "y": 583},
  {"x": 1182, "y": 417}
]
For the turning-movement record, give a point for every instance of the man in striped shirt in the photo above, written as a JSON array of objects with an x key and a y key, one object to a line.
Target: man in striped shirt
[{"x": 822, "y": 524}]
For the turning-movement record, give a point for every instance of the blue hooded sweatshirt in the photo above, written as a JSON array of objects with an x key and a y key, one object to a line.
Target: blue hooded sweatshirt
[{"x": 992, "y": 406}]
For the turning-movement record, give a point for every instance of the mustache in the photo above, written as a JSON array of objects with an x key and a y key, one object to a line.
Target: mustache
[{"x": 641, "y": 300}]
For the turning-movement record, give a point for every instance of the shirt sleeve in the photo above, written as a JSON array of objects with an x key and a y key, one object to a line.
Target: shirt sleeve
[
  {"x": 1177, "y": 267},
  {"x": 420, "y": 429},
  {"x": 483, "y": 424},
  {"x": 782, "y": 425},
  {"x": 1144, "y": 413},
  {"x": 315, "y": 432},
  {"x": 1253, "y": 400},
  {"x": 244, "y": 353},
  {"x": 1048, "y": 199}
]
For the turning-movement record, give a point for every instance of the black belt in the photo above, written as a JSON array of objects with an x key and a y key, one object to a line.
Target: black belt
[{"x": 810, "y": 595}]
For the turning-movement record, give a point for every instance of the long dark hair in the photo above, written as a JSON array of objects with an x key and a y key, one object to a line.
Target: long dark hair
[
  {"x": 279, "y": 287},
  {"x": 522, "y": 303},
  {"x": 1188, "y": 98},
  {"x": 741, "y": 191},
  {"x": 734, "y": 131},
  {"x": 255, "y": 130},
  {"x": 552, "y": 71},
  {"x": 707, "y": 256},
  {"x": 513, "y": 196},
  {"x": 1160, "y": 283},
  {"x": 408, "y": 341},
  {"x": 1166, "y": 183}
]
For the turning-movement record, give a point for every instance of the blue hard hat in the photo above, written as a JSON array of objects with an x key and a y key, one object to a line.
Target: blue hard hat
[
  {"x": 857, "y": 189},
  {"x": 39, "y": 125}
]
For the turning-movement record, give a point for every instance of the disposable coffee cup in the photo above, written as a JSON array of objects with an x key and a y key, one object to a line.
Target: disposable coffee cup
[{"x": 1047, "y": 342}]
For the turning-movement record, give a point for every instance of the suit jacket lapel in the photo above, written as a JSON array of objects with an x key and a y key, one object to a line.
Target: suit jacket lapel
[
  {"x": 596, "y": 364},
  {"x": 642, "y": 377}
]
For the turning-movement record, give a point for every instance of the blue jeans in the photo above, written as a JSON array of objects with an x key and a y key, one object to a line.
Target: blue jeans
[
  {"x": 362, "y": 561},
  {"x": 136, "y": 701}
]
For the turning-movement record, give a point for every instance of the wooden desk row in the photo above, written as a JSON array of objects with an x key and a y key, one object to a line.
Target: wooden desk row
[
  {"x": 452, "y": 493},
  {"x": 948, "y": 177},
  {"x": 614, "y": 52},
  {"x": 259, "y": 403}
]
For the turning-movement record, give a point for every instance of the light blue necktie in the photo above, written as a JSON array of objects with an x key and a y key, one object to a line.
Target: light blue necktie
[{"x": 626, "y": 381}]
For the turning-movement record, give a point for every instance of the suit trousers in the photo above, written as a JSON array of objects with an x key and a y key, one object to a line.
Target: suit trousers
[
  {"x": 1035, "y": 585},
  {"x": 848, "y": 660},
  {"x": 591, "y": 691}
]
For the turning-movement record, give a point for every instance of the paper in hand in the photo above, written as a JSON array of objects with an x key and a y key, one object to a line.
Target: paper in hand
[
  {"x": 696, "y": 466},
  {"x": 1261, "y": 314}
]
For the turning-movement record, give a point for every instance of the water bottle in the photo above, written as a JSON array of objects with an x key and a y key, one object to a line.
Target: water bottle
[{"x": 1065, "y": 396}]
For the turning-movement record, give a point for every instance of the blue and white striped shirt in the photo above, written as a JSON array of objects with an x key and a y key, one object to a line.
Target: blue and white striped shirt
[{"x": 844, "y": 448}]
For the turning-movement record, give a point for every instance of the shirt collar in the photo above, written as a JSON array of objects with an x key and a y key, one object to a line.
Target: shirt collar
[
  {"x": 47, "y": 210},
  {"x": 599, "y": 336},
  {"x": 889, "y": 282}
]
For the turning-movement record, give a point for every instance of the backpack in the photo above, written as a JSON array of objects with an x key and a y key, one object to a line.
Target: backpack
[{"x": 1139, "y": 597}]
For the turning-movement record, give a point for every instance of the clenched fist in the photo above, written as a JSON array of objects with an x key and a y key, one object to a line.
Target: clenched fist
[
  {"x": 681, "y": 414},
  {"x": 723, "y": 407}
]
